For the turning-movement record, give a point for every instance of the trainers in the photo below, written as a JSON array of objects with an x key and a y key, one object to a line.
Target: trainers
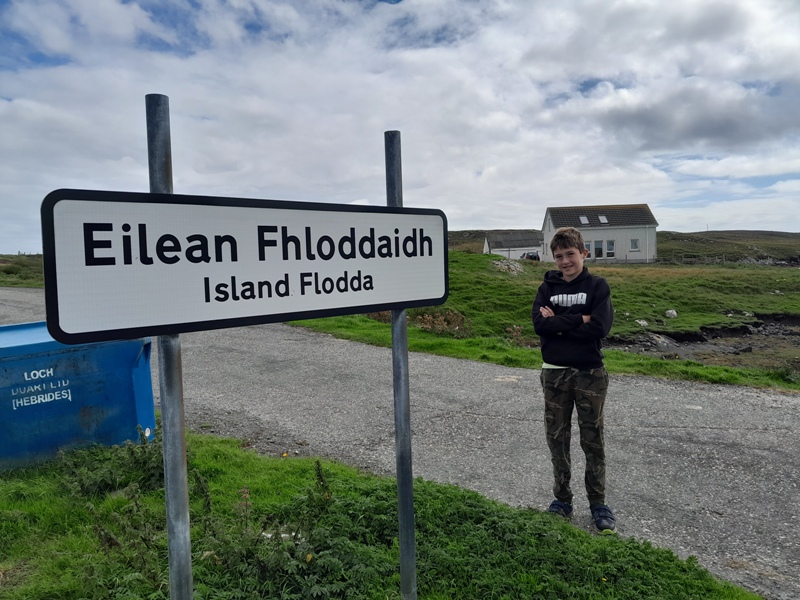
[
  {"x": 562, "y": 509},
  {"x": 603, "y": 518}
]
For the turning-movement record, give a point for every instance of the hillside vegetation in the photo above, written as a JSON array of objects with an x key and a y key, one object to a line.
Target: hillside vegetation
[
  {"x": 487, "y": 315},
  {"x": 21, "y": 270},
  {"x": 707, "y": 247},
  {"x": 767, "y": 247}
]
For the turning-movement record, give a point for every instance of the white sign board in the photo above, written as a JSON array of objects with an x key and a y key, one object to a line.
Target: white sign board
[{"x": 122, "y": 265}]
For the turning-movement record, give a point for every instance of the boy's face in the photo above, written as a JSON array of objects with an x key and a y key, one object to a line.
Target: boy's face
[{"x": 570, "y": 261}]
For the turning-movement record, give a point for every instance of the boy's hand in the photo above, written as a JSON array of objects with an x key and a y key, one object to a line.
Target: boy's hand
[{"x": 546, "y": 311}]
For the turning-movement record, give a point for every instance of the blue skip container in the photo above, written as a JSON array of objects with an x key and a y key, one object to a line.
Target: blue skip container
[{"x": 54, "y": 396}]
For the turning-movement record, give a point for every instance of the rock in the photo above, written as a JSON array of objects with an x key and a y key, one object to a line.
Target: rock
[
  {"x": 508, "y": 266},
  {"x": 671, "y": 314},
  {"x": 661, "y": 341},
  {"x": 642, "y": 322}
]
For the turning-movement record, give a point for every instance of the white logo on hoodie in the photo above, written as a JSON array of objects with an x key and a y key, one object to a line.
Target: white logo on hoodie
[{"x": 568, "y": 299}]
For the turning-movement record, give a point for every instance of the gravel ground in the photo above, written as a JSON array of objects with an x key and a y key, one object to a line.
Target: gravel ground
[{"x": 706, "y": 470}]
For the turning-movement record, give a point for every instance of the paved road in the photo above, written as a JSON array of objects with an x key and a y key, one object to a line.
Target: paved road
[{"x": 705, "y": 470}]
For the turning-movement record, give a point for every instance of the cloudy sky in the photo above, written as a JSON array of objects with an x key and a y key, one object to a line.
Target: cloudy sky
[{"x": 505, "y": 107}]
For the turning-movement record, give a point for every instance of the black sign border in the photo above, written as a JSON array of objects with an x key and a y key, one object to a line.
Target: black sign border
[{"x": 50, "y": 270}]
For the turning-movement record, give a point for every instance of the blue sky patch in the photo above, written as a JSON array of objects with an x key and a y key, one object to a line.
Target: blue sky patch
[
  {"x": 258, "y": 29},
  {"x": 180, "y": 20},
  {"x": 17, "y": 52},
  {"x": 768, "y": 88},
  {"x": 586, "y": 86},
  {"x": 765, "y": 181},
  {"x": 406, "y": 32}
]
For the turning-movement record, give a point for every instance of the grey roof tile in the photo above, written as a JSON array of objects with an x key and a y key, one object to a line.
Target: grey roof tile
[
  {"x": 522, "y": 238},
  {"x": 617, "y": 215}
]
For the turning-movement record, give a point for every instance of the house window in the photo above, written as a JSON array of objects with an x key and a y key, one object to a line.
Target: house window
[
  {"x": 603, "y": 219},
  {"x": 588, "y": 249},
  {"x": 610, "y": 249},
  {"x": 598, "y": 248},
  {"x": 634, "y": 245},
  {"x": 584, "y": 220}
]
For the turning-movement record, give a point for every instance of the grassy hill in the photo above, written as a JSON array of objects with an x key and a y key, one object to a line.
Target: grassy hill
[
  {"x": 487, "y": 315},
  {"x": 470, "y": 240},
  {"x": 705, "y": 247},
  {"x": 700, "y": 247},
  {"x": 21, "y": 270},
  {"x": 729, "y": 246}
]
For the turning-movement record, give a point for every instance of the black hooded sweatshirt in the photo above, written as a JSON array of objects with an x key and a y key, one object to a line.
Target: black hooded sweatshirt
[{"x": 566, "y": 340}]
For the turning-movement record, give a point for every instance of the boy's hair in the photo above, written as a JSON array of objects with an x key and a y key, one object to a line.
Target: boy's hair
[{"x": 567, "y": 237}]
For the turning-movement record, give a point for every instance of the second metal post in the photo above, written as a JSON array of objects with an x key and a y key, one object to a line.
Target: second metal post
[{"x": 402, "y": 406}]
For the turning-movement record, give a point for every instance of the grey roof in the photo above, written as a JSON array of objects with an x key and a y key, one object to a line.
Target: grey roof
[
  {"x": 617, "y": 215},
  {"x": 521, "y": 238}
]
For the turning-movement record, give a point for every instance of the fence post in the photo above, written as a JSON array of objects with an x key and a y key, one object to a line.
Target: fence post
[{"x": 402, "y": 409}]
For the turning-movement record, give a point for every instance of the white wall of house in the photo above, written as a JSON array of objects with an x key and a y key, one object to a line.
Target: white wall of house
[
  {"x": 510, "y": 252},
  {"x": 547, "y": 231},
  {"x": 628, "y": 244}
]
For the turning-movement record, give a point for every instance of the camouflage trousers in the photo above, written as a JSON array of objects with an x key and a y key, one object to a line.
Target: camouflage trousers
[{"x": 586, "y": 391}]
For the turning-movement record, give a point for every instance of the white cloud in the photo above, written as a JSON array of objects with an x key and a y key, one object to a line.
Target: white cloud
[
  {"x": 768, "y": 214},
  {"x": 45, "y": 24},
  {"x": 765, "y": 163},
  {"x": 505, "y": 107},
  {"x": 791, "y": 188}
]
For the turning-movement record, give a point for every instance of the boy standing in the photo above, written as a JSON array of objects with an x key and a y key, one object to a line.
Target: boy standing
[{"x": 572, "y": 313}]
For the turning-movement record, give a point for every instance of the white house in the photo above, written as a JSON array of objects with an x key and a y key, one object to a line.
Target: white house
[
  {"x": 514, "y": 243},
  {"x": 616, "y": 233}
]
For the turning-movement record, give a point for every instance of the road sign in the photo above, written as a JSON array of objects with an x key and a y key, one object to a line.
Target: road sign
[{"x": 123, "y": 265}]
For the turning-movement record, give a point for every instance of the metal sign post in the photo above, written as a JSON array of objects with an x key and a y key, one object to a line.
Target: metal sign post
[
  {"x": 402, "y": 408},
  {"x": 170, "y": 371}
]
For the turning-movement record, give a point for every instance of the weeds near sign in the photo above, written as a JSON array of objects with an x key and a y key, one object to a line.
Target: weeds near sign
[
  {"x": 100, "y": 470},
  {"x": 432, "y": 319},
  {"x": 442, "y": 322},
  {"x": 517, "y": 336}
]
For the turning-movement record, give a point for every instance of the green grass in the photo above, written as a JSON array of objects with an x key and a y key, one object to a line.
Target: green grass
[
  {"x": 686, "y": 248},
  {"x": 92, "y": 525},
  {"x": 487, "y": 315},
  {"x": 21, "y": 270},
  {"x": 728, "y": 246},
  {"x": 705, "y": 297}
]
